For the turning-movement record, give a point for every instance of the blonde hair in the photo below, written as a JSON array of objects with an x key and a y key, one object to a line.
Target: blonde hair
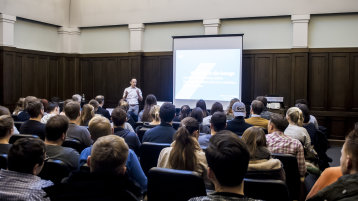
[
  {"x": 154, "y": 112},
  {"x": 99, "y": 126},
  {"x": 295, "y": 116}
]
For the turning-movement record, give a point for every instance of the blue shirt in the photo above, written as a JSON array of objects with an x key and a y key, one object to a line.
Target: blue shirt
[
  {"x": 160, "y": 134},
  {"x": 134, "y": 169}
]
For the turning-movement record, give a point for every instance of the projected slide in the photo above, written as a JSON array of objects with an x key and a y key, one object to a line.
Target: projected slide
[{"x": 212, "y": 74}]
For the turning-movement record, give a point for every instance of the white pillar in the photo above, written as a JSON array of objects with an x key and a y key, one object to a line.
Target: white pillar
[
  {"x": 69, "y": 39},
  {"x": 211, "y": 26},
  {"x": 300, "y": 31},
  {"x": 136, "y": 37},
  {"x": 7, "y": 30}
]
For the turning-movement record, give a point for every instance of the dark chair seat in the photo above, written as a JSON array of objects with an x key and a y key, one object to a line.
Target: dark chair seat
[
  {"x": 278, "y": 174},
  {"x": 3, "y": 161},
  {"x": 141, "y": 130},
  {"x": 174, "y": 185},
  {"x": 54, "y": 170},
  {"x": 265, "y": 189},
  {"x": 74, "y": 144},
  {"x": 15, "y": 137},
  {"x": 149, "y": 153}
]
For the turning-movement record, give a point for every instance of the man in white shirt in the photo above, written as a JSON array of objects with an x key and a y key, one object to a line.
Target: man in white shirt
[{"x": 133, "y": 95}]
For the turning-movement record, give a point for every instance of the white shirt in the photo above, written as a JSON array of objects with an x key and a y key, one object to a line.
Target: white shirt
[{"x": 132, "y": 97}]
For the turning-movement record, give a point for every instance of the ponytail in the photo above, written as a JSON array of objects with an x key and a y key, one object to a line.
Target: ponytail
[{"x": 295, "y": 115}]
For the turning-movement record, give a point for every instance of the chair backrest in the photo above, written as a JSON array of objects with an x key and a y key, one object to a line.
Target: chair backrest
[
  {"x": 74, "y": 144},
  {"x": 277, "y": 174},
  {"x": 149, "y": 153},
  {"x": 15, "y": 137},
  {"x": 265, "y": 189},
  {"x": 290, "y": 166},
  {"x": 3, "y": 161},
  {"x": 174, "y": 185},
  {"x": 140, "y": 132},
  {"x": 18, "y": 124},
  {"x": 54, "y": 170}
]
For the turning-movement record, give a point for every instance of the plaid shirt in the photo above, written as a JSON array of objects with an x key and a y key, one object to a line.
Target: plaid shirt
[
  {"x": 21, "y": 186},
  {"x": 279, "y": 143}
]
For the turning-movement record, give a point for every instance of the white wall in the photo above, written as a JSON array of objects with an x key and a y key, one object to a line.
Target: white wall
[
  {"x": 35, "y": 36},
  {"x": 333, "y": 31},
  {"x": 104, "y": 40}
]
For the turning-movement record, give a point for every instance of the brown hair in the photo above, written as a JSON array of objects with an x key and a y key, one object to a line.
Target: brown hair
[
  {"x": 94, "y": 103},
  {"x": 150, "y": 101},
  {"x": 351, "y": 145},
  {"x": 20, "y": 106},
  {"x": 87, "y": 114},
  {"x": 254, "y": 137},
  {"x": 99, "y": 126},
  {"x": 229, "y": 108},
  {"x": 123, "y": 105},
  {"x": 119, "y": 116},
  {"x": 279, "y": 121},
  {"x": 72, "y": 110},
  {"x": 6, "y": 124}
]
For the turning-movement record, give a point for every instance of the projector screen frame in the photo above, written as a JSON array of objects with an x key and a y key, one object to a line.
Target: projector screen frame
[{"x": 209, "y": 103}]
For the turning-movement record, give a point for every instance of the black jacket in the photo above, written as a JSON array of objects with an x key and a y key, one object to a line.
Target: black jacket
[
  {"x": 131, "y": 138},
  {"x": 238, "y": 125},
  {"x": 103, "y": 112}
]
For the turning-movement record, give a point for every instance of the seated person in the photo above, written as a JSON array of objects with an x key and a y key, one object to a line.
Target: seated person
[
  {"x": 102, "y": 111},
  {"x": 260, "y": 156},
  {"x": 184, "y": 112},
  {"x": 87, "y": 113},
  {"x": 6, "y": 111},
  {"x": 198, "y": 114},
  {"x": 106, "y": 179},
  {"x": 130, "y": 124},
  {"x": 216, "y": 107},
  {"x": 217, "y": 124},
  {"x": 256, "y": 120},
  {"x": 312, "y": 119},
  {"x": 164, "y": 132},
  {"x": 24, "y": 115},
  {"x": 154, "y": 113},
  {"x": 75, "y": 131},
  {"x": 56, "y": 129},
  {"x": 185, "y": 153},
  {"x": 34, "y": 126},
  {"x": 346, "y": 187},
  {"x": 52, "y": 110},
  {"x": 265, "y": 113},
  {"x": 144, "y": 115},
  {"x": 238, "y": 124},
  {"x": 6, "y": 130},
  {"x": 20, "y": 106},
  {"x": 201, "y": 103},
  {"x": 99, "y": 126},
  {"x": 278, "y": 142},
  {"x": 228, "y": 159},
  {"x": 25, "y": 161},
  {"x": 119, "y": 117}
]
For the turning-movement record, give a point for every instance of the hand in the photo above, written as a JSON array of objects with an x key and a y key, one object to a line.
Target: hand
[{"x": 126, "y": 93}]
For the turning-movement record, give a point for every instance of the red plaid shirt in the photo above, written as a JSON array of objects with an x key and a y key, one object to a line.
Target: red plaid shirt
[{"x": 279, "y": 143}]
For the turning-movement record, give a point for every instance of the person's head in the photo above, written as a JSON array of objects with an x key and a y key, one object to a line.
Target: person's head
[
  {"x": 119, "y": 116},
  {"x": 349, "y": 157},
  {"x": 108, "y": 155},
  {"x": 201, "y": 103},
  {"x": 56, "y": 128},
  {"x": 229, "y": 108},
  {"x": 277, "y": 123},
  {"x": 184, "y": 112},
  {"x": 262, "y": 99},
  {"x": 87, "y": 113},
  {"x": 150, "y": 101},
  {"x": 294, "y": 116},
  {"x": 216, "y": 107},
  {"x": 6, "y": 126},
  {"x": 197, "y": 113},
  {"x": 182, "y": 156},
  {"x": 20, "y": 104},
  {"x": 167, "y": 112},
  {"x": 228, "y": 158},
  {"x": 301, "y": 101},
  {"x": 35, "y": 109},
  {"x": 27, "y": 155},
  {"x": 123, "y": 105},
  {"x": 44, "y": 103},
  {"x": 100, "y": 100},
  {"x": 255, "y": 138},
  {"x": 218, "y": 121},
  {"x": 305, "y": 112},
  {"x": 133, "y": 82},
  {"x": 64, "y": 103},
  {"x": 77, "y": 98},
  {"x": 257, "y": 107},
  {"x": 4, "y": 111},
  {"x": 154, "y": 113},
  {"x": 29, "y": 99},
  {"x": 99, "y": 126},
  {"x": 72, "y": 110},
  {"x": 53, "y": 108},
  {"x": 94, "y": 103},
  {"x": 239, "y": 109}
]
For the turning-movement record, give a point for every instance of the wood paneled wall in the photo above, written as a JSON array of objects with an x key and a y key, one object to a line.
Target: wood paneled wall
[{"x": 327, "y": 78}]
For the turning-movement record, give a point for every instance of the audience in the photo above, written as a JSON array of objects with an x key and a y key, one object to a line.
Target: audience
[
  {"x": 197, "y": 114},
  {"x": 184, "y": 112},
  {"x": 52, "y": 110},
  {"x": 346, "y": 187},
  {"x": 229, "y": 111},
  {"x": 20, "y": 106},
  {"x": 154, "y": 113},
  {"x": 119, "y": 118},
  {"x": 64, "y": 103},
  {"x": 164, "y": 132},
  {"x": 130, "y": 121},
  {"x": 6, "y": 111},
  {"x": 106, "y": 179},
  {"x": 24, "y": 115},
  {"x": 201, "y": 103},
  {"x": 144, "y": 115},
  {"x": 99, "y": 126},
  {"x": 45, "y": 104},
  {"x": 6, "y": 130},
  {"x": 185, "y": 152},
  {"x": 312, "y": 118},
  {"x": 278, "y": 142},
  {"x": 238, "y": 124},
  {"x": 95, "y": 105},
  {"x": 228, "y": 159},
  {"x": 87, "y": 114},
  {"x": 77, "y": 98},
  {"x": 56, "y": 129},
  {"x": 265, "y": 113},
  {"x": 80, "y": 133},
  {"x": 102, "y": 111},
  {"x": 217, "y": 124},
  {"x": 20, "y": 181},
  {"x": 256, "y": 120},
  {"x": 34, "y": 126},
  {"x": 216, "y": 107}
]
